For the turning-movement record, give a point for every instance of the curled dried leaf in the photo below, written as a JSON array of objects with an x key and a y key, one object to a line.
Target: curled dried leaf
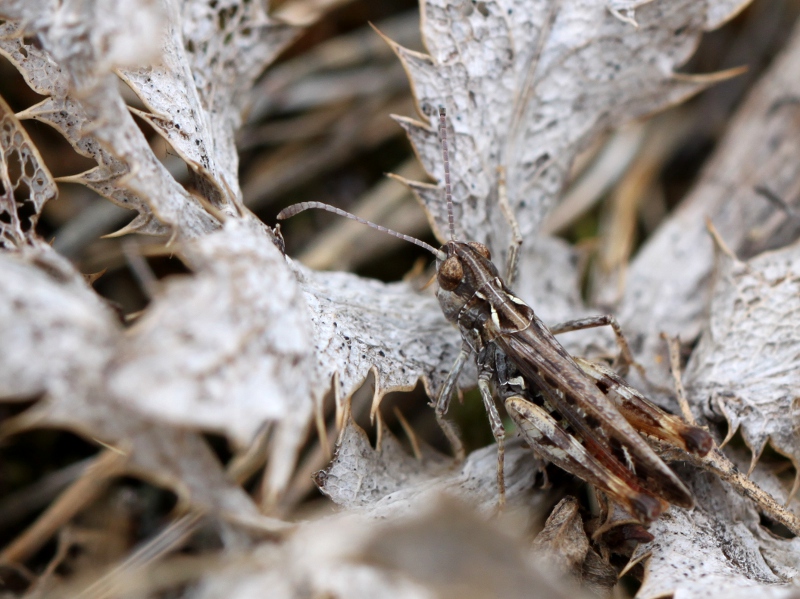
[
  {"x": 25, "y": 182},
  {"x": 227, "y": 349}
]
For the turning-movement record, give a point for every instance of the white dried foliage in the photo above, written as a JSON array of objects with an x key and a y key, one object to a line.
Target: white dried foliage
[
  {"x": 24, "y": 179},
  {"x": 718, "y": 549},
  {"x": 669, "y": 281},
  {"x": 77, "y": 118},
  {"x": 228, "y": 348},
  {"x": 48, "y": 311},
  {"x": 58, "y": 338},
  {"x": 196, "y": 97},
  {"x": 388, "y": 482},
  {"x": 527, "y": 85},
  {"x": 84, "y": 102},
  {"x": 438, "y": 549},
  {"x": 210, "y": 58},
  {"x": 717, "y": 13},
  {"x": 747, "y": 364},
  {"x": 362, "y": 325},
  {"x": 202, "y": 357},
  {"x": 95, "y": 36}
]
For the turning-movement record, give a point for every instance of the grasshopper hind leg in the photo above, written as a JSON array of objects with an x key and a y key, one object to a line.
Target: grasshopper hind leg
[{"x": 550, "y": 440}]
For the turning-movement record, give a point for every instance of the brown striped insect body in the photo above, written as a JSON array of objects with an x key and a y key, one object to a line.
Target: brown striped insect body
[{"x": 581, "y": 416}]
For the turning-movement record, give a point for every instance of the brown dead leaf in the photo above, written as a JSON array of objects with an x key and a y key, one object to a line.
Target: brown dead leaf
[{"x": 564, "y": 546}]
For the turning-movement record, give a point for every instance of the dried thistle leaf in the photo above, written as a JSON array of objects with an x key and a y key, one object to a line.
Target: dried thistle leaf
[
  {"x": 211, "y": 54},
  {"x": 746, "y": 365},
  {"x": 718, "y": 12},
  {"x": 93, "y": 118},
  {"x": 92, "y": 37},
  {"x": 717, "y": 549},
  {"x": 669, "y": 282},
  {"x": 363, "y": 325},
  {"x": 386, "y": 481},
  {"x": 57, "y": 334},
  {"x": 227, "y": 349},
  {"x": 527, "y": 86},
  {"x": 24, "y": 179},
  {"x": 58, "y": 339},
  {"x": 81, "y": 44},
  {"x": 211, "y": 338}
]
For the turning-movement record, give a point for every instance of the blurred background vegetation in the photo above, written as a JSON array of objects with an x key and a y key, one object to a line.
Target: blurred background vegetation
[{"x": 319, "y": 129}]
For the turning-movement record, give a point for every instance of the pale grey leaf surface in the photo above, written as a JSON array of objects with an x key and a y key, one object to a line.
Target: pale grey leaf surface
[
  {"x": 228, "y": 348},
  {"x": 747, "y": 364},
  {"x": 44, "y": 76},
  {"x": 85, "y": 106},
  {"x": 210, "y": 57},
  {"x": 362, "y": 325},
  {"x": 81, "y": 42},
  {"x": 58, "y": 338},
  {"x": 669, "y": 281},
  {"x": 437, "y": 549},
  {"x": 56, "y": 332},
  {"x": 221, "y": 349},
  {"x": 717, "y": 549},
  {"x": 718, "y": 12},
  {"x": 166, "y": 455},
  {"x": 31, "y": 187},
  {"x": 95, "y": 36},
  {"x": 387, "y": 482},
  {"x": 527, "y": 85}
]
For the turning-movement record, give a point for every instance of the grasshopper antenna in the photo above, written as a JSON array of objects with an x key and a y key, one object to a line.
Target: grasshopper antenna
[
  {"x": 302, "y": 206},
  {"x": 448, "y": 196}
]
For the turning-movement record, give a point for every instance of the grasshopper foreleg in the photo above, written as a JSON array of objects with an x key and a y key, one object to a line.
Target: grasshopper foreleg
[
  {"x": 497, "y": 430},
  {"x": 443, "y": 403}
]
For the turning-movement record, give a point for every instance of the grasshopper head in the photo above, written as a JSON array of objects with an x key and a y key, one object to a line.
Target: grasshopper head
[{"x": 465, "y": 269}]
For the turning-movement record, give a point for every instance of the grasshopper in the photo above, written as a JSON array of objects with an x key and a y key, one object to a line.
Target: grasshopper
[{"x": 579, "y": 415}]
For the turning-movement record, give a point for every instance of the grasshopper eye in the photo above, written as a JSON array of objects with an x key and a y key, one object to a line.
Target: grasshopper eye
[
  {"x": 450, "y": 273},
  {"x": 481, "y": 249}
]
